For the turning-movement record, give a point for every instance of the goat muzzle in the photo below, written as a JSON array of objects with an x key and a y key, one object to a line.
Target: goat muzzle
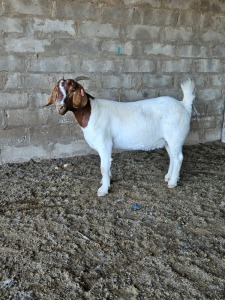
[{"x": 61, "y": 109}]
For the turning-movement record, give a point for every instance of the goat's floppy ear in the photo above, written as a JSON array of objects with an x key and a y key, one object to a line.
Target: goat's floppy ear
[
  {"x": 79, "y": 98},
  {"x": 52, "y": 98}
]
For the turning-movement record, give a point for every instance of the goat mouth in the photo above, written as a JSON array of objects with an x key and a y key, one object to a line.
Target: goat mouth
[{"x": 62, "y": 110}]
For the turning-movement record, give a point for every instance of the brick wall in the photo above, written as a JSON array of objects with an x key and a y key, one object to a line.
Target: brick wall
[{"x": 131, "y": 49}]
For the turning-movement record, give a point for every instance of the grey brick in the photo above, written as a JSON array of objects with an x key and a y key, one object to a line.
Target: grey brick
[
  {"x": 38, "y": 100},
  {"x": 209, "y": 65},
  {"x": 11, "y": 25},
  {"x": 213, "y": 134},
  {"x": 199, "y": 109},
  {"x": 180, "y": 65},
  {"x": 26, "y": 44},
  {"x": 191, "y": 18},
  {"x": 139, "y": 65},
  {"x": 172, "y": 34},
  {"x": 131, "y": 65},
  {"x": 23, "y": 153},
  {"x": 146, "y": 66},
  {"x": 160, "y": 17},
  {"x": 216, "y": 107},
  {"x": 90, "y": 29},
  {"x": 57, "y": 26},
  {"x": 177, "y": 4},
  {"x": 143, "y": 32},
  {"x": 192, "y": 51},
  {"x": 59, "y": 64},
  {"x": 121, "y": 15},
  {"x": 223, "y": 130},
  {"x": 11, "y": 63},
  {"x": 213, "y": 6},
  {"x": 157, "y": 81},
  {"x": 217, "y": 79},
  {"x": 171, "y": 92},
  {"x": 98, "y": 66},
  {"x": 218, "y": 22},
  {"x": 209, "y": 94},
  {"x": 133, "y": 95},
  {"x": 55, "y": 118},
  {"x": 218, "y": 51},
  {"x": 49, "y": 134},
  {"x": 160, "y": 49},
  {"x": 13, "y": 100},
  {"x": 23, "y": 117},
  {"x": 117, "y": 46},
  {"x": 29, "y": 82},
  {"x": 84, "y": 47},
  {"x": 122, "y": 81},
  {"x": 209, "y": 107},
  {"x": 152, "y": 3},
  {"x": 108, "y": 94},
  {"x": 204, "y": 122},
  {"x": 71, "y": 149},
  {"x": 14, "y": 136},
  {"x": 192, "y": 138},
  {"x": 76, "y": 11},
  {"x": 212, "y": 36},
  {"x": 3, "y": 122},
  {"x": 3, "y": 80},
  {"x": 35, "y": 7},
  {"x": 195, "y": 123},
  {"x": 201, "y": 81}
]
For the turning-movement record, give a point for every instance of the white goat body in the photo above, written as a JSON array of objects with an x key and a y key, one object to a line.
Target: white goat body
[{"x": 141, "y": 125}]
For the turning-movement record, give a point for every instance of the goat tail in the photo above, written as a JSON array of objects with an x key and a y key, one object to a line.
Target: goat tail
[{"x": 188, "y": 88}]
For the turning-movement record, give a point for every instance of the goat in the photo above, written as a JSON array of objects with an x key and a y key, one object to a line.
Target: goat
[{"x": 140, "y": 125}]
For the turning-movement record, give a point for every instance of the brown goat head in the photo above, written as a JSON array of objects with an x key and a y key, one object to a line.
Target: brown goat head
[{"x": 68, "y": 95}]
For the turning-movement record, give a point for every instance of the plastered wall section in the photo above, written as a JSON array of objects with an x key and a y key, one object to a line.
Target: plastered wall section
[{"x": 129, "y": 49}]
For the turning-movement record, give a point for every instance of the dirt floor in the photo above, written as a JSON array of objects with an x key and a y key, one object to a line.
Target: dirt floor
[{"x": 142, "y": 241}]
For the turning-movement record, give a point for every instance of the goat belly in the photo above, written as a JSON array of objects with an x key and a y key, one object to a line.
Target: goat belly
[{"x": 138, "y": 142}]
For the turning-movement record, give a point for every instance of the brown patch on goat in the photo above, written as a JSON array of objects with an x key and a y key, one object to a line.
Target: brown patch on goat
[
  {"x": 52, "y": 98},
  {"x": 80, "y": 101},
  {"x": 82, "y": 114},
  {"x": 79, "y": 97}
]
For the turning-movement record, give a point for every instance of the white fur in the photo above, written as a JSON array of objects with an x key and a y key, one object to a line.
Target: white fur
[
  {"x": 141, "y": 125},
  {"x": 62, "y": 89}
]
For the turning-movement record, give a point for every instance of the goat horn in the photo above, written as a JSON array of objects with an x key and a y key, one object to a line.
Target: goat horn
[{"x": 81, "y": 78}]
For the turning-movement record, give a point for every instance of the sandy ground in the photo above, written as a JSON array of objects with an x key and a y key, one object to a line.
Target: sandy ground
[{"x": 142, "y": 241}]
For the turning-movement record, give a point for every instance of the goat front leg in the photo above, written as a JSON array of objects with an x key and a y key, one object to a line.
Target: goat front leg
[{"x": 105, "y": 157}]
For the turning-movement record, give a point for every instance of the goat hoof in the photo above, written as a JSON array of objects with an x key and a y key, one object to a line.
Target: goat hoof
[
  {"x": 102, "y": 193},
  {"x": 167, "y": 179}
]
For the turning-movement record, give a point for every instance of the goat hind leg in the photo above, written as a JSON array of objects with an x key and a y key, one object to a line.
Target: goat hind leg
[
  {"x": 170, "y": 170},
  {"x": 177, "y": 162}
]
